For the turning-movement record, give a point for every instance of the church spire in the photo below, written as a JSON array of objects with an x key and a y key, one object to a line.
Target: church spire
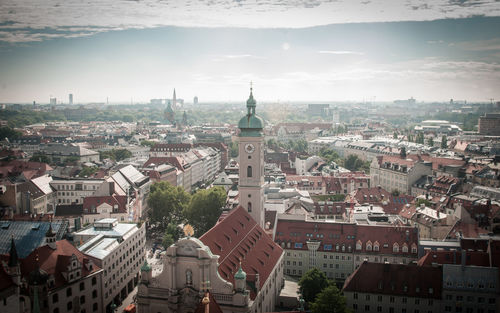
[{"x": 13, "y": 258}]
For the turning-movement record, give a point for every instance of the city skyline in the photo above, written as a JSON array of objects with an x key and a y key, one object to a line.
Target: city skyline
[{"x": 292, "y": 51}]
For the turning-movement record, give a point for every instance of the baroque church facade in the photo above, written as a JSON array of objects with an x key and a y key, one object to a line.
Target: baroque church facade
[{"x": 236, "y": 261}]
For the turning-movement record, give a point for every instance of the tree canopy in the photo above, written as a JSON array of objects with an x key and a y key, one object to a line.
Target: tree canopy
[
  {"x": 115, "y": 154},
  {"x": 329, "y": 300},
  {"x": 205, "y": 208},
  {"x": 311, "y": 284},
  {"x": 167, "y": 203}
]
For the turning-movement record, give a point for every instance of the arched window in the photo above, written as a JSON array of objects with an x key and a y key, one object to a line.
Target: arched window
[
  {"x": 249, "y": 171},
  {"x": 189, "y": 277},
  {"x": 369, "y": 246},
  {"x": 395, "y": 247},
  {"x": 413, "y": 248},
  {"x": 376, "y": 246},
  {"x": 405, "y": 248},
  {"x": 249, "y": 207}
]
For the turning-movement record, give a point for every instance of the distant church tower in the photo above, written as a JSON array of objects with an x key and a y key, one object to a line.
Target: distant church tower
[
  {"x": 251, "y": 154},
  {"x": 169, "y": 114},
  {"x": 174, "y": 101}
]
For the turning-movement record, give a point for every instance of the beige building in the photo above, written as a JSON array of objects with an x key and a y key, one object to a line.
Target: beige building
[
  {"x": 118, "y": 248},
  {"x": 398, "y": 173}
]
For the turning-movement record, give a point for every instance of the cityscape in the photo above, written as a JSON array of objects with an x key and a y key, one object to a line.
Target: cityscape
[{"x": 250, "y": 156}]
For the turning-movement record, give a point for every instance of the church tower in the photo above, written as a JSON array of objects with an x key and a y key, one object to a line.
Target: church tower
[{"x": 251, "y": 154}]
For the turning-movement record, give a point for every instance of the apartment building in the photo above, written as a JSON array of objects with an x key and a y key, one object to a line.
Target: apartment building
[{"x": 117, "y": 248}]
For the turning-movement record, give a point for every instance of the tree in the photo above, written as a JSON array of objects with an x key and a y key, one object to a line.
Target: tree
[
  {"x": 444, "y": 142},
  {"x": 311, "y": 284},
  {"x": 430, "y": 141},
  {"x": 147, "y": 143},
  {"x": 329, "y": 155},
  {"x": 395, "y": 135},
  {"x": 115, "y": 154},
  {"x": 9, "y": 133},
  {"x": 42, "y": 158},
  {"x": 233, "y": 149},
  {"x": 353, "y": 163},
  {"x": 329, "y": 300},
  {"x": 88, "y": 171},
  {"x": 172, "y": 234},
  {"x": 167, "y": 203},
  {"x": 205, "y": 208}
]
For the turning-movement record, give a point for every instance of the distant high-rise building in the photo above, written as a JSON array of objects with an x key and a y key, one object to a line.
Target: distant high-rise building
[
  {"x": 489, "y": 124},
  {"x": 53, "y": 101},
  {"x": 195, "y": 100},
  {"x": 70, "y": 99}
]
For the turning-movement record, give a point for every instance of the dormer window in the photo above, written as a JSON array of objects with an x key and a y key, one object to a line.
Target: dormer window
[
  {"x": 395, "y": 247},
  {"x": 359, "y": 245}
]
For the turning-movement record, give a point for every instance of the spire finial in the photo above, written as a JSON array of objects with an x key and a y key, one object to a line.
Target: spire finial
[{"x": 251, "y": 86}]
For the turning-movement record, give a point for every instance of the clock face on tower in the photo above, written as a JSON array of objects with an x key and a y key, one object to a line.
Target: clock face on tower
[{"x": 249, "y": 148}]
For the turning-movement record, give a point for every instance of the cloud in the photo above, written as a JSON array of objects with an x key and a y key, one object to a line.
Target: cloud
[
  {"x": 340, "y": 52},
  {"x": 40, "y": 20},
  {"x": 480, "y": 45}
]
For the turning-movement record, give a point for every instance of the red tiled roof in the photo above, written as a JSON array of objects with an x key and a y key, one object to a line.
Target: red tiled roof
[
  {"x": 238, "y": 237},
  {"x": 396, "y": 279},
  {"x": 455, "y": 257},
  {"x": 178, "y": 162},
  {"x": 330, "y": 234},
  {"x": 438, "y": 163},
  {"x": 95, "y": 201},
  {"x": 54, "y": 262},
  {"x": 386, "y": 236}
]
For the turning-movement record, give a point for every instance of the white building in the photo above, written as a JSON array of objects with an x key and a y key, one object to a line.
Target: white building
[{"x": 117, "y": 248}]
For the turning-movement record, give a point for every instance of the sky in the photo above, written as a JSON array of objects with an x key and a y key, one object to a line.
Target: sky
[{"x": 314, "y": 50}]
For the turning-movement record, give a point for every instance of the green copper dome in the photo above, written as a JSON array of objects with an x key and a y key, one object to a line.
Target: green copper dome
[
  {"x": 251, "y": 125},
  {"x": 240, "y": 274},
  {"x": 145, "y": 267}
]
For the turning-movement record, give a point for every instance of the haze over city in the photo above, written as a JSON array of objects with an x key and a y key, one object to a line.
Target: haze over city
[{"x": 133, "y": 51}]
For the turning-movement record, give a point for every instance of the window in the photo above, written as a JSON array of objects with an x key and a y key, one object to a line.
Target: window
[
  {"x": 69, "y": 292},
  {"x": 94, "y": 307},
  {"x": 94, "y": 294},
  {"x": 395, "y": 247},
  {"x": 82, "y": 299},
  {"x": 69, "y": 306},
  {"x": 56, "y": 310},
  {"x": 94, "y": 281},
  {"x": 249, "y": 171},
  {"x": 55, "y": 298},
  {"x": 367, "y": 308},
  {"x": 82, "y": 286}
]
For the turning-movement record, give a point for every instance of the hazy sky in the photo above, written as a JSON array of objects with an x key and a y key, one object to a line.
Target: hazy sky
[{"x": 315, "y": 50}]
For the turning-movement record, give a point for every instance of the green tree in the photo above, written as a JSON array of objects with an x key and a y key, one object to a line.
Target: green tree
[
  {"x": 115, "y": 154},
  {"x": 205, "y": 208},
  {"x": 311, "y": 284},
  {"x": 88, "y": 171},
  {"x": 329, "y": 155},
  {"x": 39, "y": 157},
  {"x": 395, "y": 192},
  {"x": 300, "y": 145},
  {"x": 395, "y": 135},
  {"x": 353, "y": 163},
  {"x": 147, "y": 143},
  {"x": 329, "y": 300},
  {"x": 9, "y": 133},
  {"x": 430, "y": 141},
  {"x": 233, "y": 149},
  {"x": 444, "y": 142},
  {"x": 172, "y": 234},
  {"x": 167, "y": 203}
]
